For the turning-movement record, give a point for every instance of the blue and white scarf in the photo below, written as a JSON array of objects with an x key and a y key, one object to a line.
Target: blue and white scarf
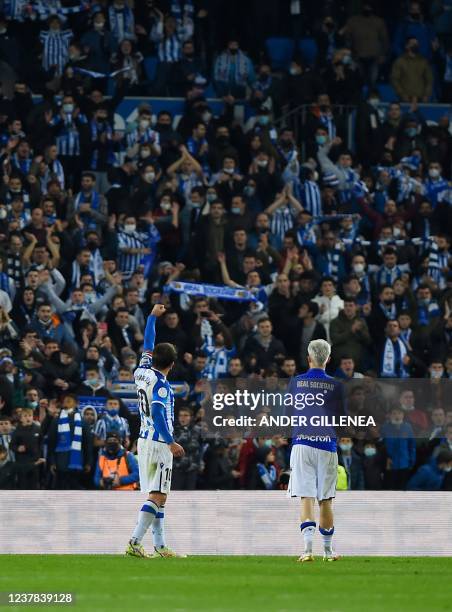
[
  {"x": 427, "y": 312},
  {"x": 67, "y": 443},
  {"x": 215, "y": 291},
  {"x": 227, "y": 63},
  {"x": 122, "y": 23},
  {"x": 267, "y": 474},
  {"x": 333, "y": 257},
  {"x": 346, "y": 191},
  {"x": 392, "y": 365},
  {"x": 94, "y": 200},
  {"x": 436, "y": 262},
  {"x": 5, "y": 283}
]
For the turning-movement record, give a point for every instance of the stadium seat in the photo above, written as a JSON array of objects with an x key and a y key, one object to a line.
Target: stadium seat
[
  {"x": 210, "y": 92},
  {"x": 150, "y": 67},
  {"x": 387, "y": 92},
  {"x": 309, "y": 50},
  {"x": 280, "y": 51}
]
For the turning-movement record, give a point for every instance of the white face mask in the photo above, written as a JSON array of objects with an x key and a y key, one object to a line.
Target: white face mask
[
  {"x": 149, "y": 177},
  {"x": 433, "y": 172},
  {"x": 346, "y": 447},
  {"x": 436, "y": 374},
  {"x": 3, "y": 213},
  {"x": 359, "y": 267},
  {"x": 206, "y": 116},
  {"x": 370, "y": 451},
  {"x": 166, "y": 206},
  {"x": 129, "y": 228},
  {"x": 228, "y": 170},
  {"x": 99, "y": 25},
  {"x": 145, "y": 153},
  {"x": 68, "y": 108},
  {"x": 144, "y": 123},
  {"x": 262, "y": 163}
]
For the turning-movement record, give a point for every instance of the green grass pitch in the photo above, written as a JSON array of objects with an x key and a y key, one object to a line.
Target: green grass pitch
[{"x": 107, "y": 582}]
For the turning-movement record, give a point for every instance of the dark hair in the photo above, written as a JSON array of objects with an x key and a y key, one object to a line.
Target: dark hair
[
  {"x": 444, "y": 457},
  {"x": 112, "y": 434},
  {"x": 313, "y": 308},
  {"x": 164, "y": 355}
]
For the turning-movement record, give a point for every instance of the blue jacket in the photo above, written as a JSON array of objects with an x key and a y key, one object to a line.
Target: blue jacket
[
  {"x": 428, "y": 478},
  {"x": 58, "y": 332},
  {"x": 400, "y": 445}
]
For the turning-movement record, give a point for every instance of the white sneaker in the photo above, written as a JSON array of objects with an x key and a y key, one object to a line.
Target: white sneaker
[
  {"x": 331, "y": 556},
  {"x": 306, "y": 558}
]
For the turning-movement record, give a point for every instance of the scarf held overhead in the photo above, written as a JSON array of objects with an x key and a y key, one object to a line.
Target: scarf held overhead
[{"x": 215, "y": 291}]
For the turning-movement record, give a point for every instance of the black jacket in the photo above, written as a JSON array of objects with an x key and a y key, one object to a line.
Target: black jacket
[{"x": 29, "y": 436}]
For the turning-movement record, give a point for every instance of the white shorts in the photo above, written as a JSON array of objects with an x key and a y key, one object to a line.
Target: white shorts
[
  {"x": 155, "y": 463},
  {"x": 313, "y": 472}
]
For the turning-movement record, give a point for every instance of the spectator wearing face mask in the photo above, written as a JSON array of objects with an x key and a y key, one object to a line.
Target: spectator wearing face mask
[
  {"x": 431, "y": 476},
  {"x": 142, "y": 132},
  {"x": 435, "y": 184},
  {"x": 400, "y": 446},
  {"x": 411, "y": 75},
  {"x": 369, "y": 129},
  {"x": 132, "y": 248},
  {"x": 414, "y": 26},
  {"x": 343, "y": 79},
  {"x": 301, "y": 85},
  {"x": 352, "y": 462},
  {"x": 117, "y": 468},
  {"x": 99, "y": 44},
  {"x": 373, "y": 466},
  {"x": 368, "y": 38},
  {"x": 233, "y": 71},
  {"x": 110, "y": 421}
]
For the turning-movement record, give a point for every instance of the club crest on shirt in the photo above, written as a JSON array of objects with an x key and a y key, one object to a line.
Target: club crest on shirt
[{"x": 162, "y": 392}]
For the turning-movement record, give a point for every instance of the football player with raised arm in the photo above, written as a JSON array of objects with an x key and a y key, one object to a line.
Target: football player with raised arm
[{"x": 156, "y": 445}]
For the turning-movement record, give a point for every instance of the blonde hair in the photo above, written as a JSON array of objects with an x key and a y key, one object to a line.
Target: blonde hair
[{"x": 319, "y": 351}]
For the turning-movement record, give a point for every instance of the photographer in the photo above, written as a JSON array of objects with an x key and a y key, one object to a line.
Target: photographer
[{"x": 116, "y": 469}]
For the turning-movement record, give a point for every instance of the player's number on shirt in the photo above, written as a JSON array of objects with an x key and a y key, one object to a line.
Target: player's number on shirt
[{"x": 143, "y": 402}]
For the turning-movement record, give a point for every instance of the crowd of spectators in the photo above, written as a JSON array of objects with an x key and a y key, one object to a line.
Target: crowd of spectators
[{"x": 97, "y": 225}]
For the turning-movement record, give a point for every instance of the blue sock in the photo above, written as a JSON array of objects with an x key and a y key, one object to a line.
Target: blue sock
[
  {"x": 158, "y": 528},
  {"x": 308, "y": 530},
  {"x": 327, "y": 537},
  {"x": 146, "y": 515}
]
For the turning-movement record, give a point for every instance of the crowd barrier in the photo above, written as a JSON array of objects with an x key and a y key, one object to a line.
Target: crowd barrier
[{"x": 224, "y": 522}]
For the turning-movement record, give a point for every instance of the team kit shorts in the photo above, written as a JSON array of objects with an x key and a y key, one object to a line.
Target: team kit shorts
[
  {"x": 155, "y": 464},
  {"x": 313, "y": 472}
]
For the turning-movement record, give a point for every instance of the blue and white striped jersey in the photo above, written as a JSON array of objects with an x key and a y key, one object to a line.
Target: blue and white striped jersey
[
  {"x": 155, "y": 396},
  {"x": 56, "y": 49}
]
